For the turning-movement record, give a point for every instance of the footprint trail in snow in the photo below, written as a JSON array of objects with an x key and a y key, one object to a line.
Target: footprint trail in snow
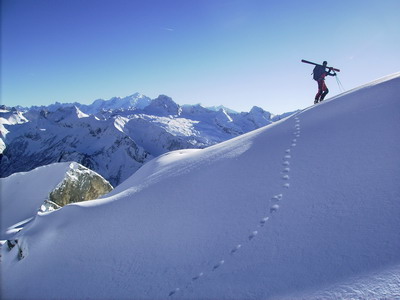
[{"x": 273, "y": 207}]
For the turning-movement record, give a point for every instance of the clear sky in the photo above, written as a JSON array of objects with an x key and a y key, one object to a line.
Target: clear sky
[{"x": 238, "y": 53}]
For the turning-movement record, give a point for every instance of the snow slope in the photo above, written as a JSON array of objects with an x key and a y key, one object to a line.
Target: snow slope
[{"x": 306, "y": 208}]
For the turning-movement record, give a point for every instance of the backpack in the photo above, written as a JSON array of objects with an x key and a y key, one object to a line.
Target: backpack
[{"x": 317, "y": 72}]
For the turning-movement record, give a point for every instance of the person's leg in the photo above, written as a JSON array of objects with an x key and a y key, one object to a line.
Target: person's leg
[
  {"x": 325, "y": 91},
  {"x": 320, "y": 90}
]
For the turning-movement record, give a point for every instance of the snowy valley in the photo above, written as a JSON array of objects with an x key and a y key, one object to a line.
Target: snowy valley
[{"x": 305, "y": 208}]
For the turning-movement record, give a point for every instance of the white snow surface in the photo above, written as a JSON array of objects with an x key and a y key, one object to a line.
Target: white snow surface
[{"x": 305, "y": 208}]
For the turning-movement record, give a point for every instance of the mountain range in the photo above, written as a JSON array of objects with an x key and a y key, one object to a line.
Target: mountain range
[{"x": 115, "y": 137}]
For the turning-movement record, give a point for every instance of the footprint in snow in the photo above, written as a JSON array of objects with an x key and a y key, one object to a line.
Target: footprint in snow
[
  {"x": 286, "y": 185},
  {"x": 263, "y": 221},
  {"x": 287, "y": 156},
  {"x": 277, "y": 197},
  {"x": 173, "y": 292},
  {"x": 220, "y": 263},
  {"x": 236, "y": 248},
  {"x": 197, "y": 276},
  {"x": 294, "y": 145},
  {"x": 274, "y": 208},
  {"x": 253, "y": 234},
  {"x": 286, "y": 170},
  {"x": 286, "y": 177},
  {"x": 286, "y": 163}
]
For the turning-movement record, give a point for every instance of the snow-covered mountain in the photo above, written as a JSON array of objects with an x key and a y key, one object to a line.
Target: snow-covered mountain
[
  {"x": 305, "y": 208},
  {"x": 135, "y": 101},
  {"x": 115, "y": 137},
  {"x": 8, "y": 117},
  {"x": 67, "y": 134},
  {"x": 219, "y": 107}
]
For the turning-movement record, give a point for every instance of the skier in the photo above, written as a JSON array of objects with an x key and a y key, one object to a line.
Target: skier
[{"x": 319, "y": 75}]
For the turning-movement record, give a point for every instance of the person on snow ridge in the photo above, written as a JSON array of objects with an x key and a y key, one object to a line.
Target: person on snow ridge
[{"x": 319, "y": 75}]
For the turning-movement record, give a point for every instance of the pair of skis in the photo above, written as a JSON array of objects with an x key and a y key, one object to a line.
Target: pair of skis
[{"x": 311, "y": 63}]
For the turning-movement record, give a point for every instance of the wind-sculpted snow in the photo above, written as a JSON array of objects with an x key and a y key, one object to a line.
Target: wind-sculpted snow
[{"x": 305, "y": 208}]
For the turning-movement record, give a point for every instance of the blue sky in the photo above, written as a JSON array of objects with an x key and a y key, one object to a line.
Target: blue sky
[{"x": 237, "y": 53}]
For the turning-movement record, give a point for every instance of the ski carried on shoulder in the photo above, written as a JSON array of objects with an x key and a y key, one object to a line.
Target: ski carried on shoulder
[{"x": 311, "y": 63}]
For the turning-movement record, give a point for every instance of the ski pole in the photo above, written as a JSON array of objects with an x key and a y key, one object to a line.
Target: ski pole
[{"x": 340, "y": 85}]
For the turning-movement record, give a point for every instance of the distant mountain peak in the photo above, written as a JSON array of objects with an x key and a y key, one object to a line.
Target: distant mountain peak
[
  {"x": 163, "y": 105},
  {"x": 257, "y": 109},
  {"x": 66, "y": 114},
  {"x": 131, "y": 102},
  {"x": 217, "y": 108},
  {"x": 259, "y": 116}
]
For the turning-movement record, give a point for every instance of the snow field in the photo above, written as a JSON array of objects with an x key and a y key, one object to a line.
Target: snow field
[{"x": 273, "y": 207}]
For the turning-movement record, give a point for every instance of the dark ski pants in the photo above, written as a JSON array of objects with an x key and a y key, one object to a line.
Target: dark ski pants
[{"x": 322, "y": 91}]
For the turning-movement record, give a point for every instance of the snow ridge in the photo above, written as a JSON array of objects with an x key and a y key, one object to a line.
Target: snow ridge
[{"x": 272, "y": 207}]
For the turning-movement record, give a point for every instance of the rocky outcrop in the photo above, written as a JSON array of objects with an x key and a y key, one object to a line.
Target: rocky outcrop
[
  {"x": 80, "y": 184},
  {"x": 45, "y": 189}
]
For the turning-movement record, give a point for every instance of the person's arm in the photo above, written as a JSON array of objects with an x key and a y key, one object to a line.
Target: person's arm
[{"x": 329, "y": 72}]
